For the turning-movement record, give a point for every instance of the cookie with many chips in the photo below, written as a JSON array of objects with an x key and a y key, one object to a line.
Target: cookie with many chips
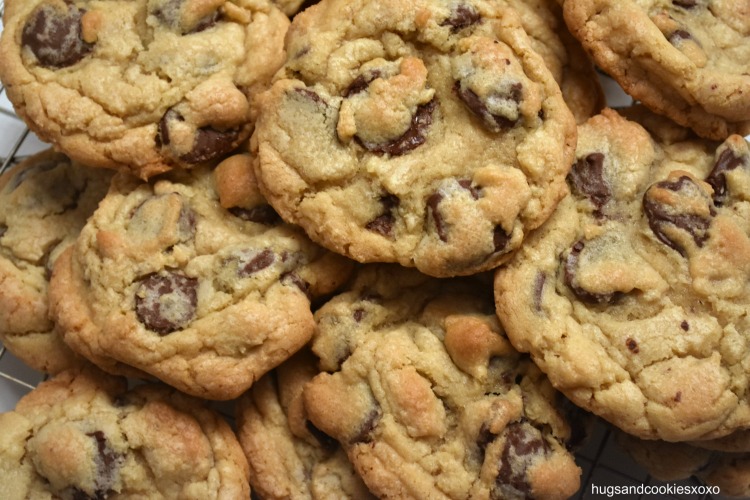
[
  {"x": 143, "y": 86},
  {"x": 633, "y": 297},
  {"x": 428, "y": 133},
  {"x": 193, "y": 279},
  {"x": 429, "y": 399}
]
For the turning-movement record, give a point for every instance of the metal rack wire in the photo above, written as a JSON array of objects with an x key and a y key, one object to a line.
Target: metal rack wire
[{"x": 602, "y": 461}]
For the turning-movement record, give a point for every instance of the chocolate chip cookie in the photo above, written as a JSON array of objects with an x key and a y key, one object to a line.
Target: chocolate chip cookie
[
  {"x": 44, "y": 202},
  {"x": 429, "y": 399},
  {"x": 633, "y": 298},
  {"x": 145, "y": 85},
  {"x": 288, "y": 456},
  {"x": 197, "y": 284},
  {"x": 686, "y": 59},
  {"x": 83, "y": 434},
  {"x": 429, "y": 134}
]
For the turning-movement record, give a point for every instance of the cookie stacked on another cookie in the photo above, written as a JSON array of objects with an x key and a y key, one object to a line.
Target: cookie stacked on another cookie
[
  {"x": 143, "y": 86},
  {"x": 193, "y": 279},
  {"x": 685, "y": 59},
  {"x": 83, "y": 434},
  {"x": 44, "y": 203},
  {"x": 430, "y": 134},
  {"x": 429, "y": 399},
  {"x": 633, "y": 298}
]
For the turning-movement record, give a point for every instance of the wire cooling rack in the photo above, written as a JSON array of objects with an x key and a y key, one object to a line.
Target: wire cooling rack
[{"x": 602, "y": 461}]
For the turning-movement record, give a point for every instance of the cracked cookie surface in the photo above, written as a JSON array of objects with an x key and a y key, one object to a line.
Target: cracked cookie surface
[
  {"x": 193, "y": 279},
  {"x": 633, "y": 298},
  {"x": 430, "y": 134},
  {"x": 288, "y": 456},
  {"x": 684, "y": 59},
  {"x": 144, "y": 86},
  {"x": 44, "y": 203},
  {"x": 83, "y": 434},
  {"x": 438, "y": 403}
]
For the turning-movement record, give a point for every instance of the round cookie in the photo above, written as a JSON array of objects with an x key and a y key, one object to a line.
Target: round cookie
[
  {"x": 288, "y": 456},
  {"x": 728, "y": 472},
  {"x": 633, "y": 297},
  {"x": 143, "y": 86},
  {"x": 193, "y": 279},
  {"x": 429, "y": 133},
  {"x": 428, "y": 397},
  {"x": 82, "y": 434},
  {"x": 686, "y": 59},
  {"x": 44, "y": 202}
]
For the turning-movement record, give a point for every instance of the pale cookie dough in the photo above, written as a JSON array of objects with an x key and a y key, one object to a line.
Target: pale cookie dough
[
  {"x": 193, "y": 279},
  {"x": 44, "y": 203},
  {"x": 144, "y": 85},
  {"x": 633, "y": 298},
  {"x": 428, "y": 133},
  {"x": 686, "y": 59},
  {"x": 84, "y": 435},
  {"x": 428, "y": 397}
]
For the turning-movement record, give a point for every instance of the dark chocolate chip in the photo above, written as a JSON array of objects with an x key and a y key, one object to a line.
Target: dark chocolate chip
[
  {"x": 500, "y": 239},
  {"x": 106, "y": 462},
  {"x": 169, "y": 15},
  {"x": 685, "y": 325},
  {"x": 661, "y": 216},
  {"x": 476, "y": 105},
  {"x": 462, "y": 17},
  {"x": 678, "y": 36},
  {"x": 166, "y": 316},
  {"x": 570, "y": 269},
  {"x": 466, "y": 184},
  {"x": 539, "y": 282},
  {"x": 361, "y": 83},
  {"x": 685, "y": 4},
  {"x": 432, "y": 204},
  {"x": 326, "y": 441},
  {"x": 262, "y": 214},
  {"x": 294, "y": 279},
  {"x": 632, "y": 345},
  {"x": 717, "y": 178},
  {"x": 411, "y": 139},
  {"x": 257, "y": 262},
  {"x": 522, "y": 442},
  {"x": 311, "y": 95},
  {"x": 358, "y": 315},
  {"x": 208, "y": 143},
  {"x": 364, "y": 435},
  {"x": 383, "y": 224},
  {"x": 54, "y": 36},
  {"x": 586, "y": 178}
]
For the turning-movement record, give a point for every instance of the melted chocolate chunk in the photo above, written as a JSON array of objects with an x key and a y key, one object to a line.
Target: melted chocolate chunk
[
  {"x": 310, "y": 94},
  {"x": 383, "y": 224},
  {"x": 262, "y": 214},
  {"x": 570, "y": 269},
  {"x": 364, "y": 435},
  {"x": 496, "y": 123},
  {"x": 169, "y": 15},
  {"x": 208, "y": 143},
  {"x": 411, "y": 139},
  {"x": 632, "y": 345},
  {"x": 54, "y": 36},
  {"x": 361, "y": 83},
  {"x": 106, "y": 462},
  {"x": 586, "y": 178},
  {"x": 257, "y": 262},
  {"x": 432, "y": 204},
  {"x": 462, "y": 17},
  {"x": 717, "y": 178},
  {"x": 685, "y": 4},
  {"x": 500, "y": 239},
  {"x": 166, "y": 302},
  {"x": 522, "y": 442},
  {"x": 294, "y": 279},
  {"x": 466, "y": 184},
  {"x": 678, "y": 36},
  {"x": 661, "y": 216}
]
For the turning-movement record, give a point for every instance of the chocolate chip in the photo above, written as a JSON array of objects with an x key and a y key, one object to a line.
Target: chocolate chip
[
  {"x": 358, "y": 315},
  {"x": 256, "y": 262},
  {"x": 632, "y": 345},
  {"x": 294, "y": 279},
  {"x": 500, "y": 239},
  {"x": 478, "y": 106},
  {"x": 539, "y": 282},
  {"x": 466, "y": 184},
  {"x": 208, "y": 143},
  {"x": 106, "y": 462},
  {"x": 677, "y": 36},
  {"x": 262, "y": 214},
  {"x": 685, "y": 325},
  {"x": 462, "y": 17},
  {"x": 522, "y": 442},
  {"x": 717, "y": 178},
  {"x": 361, "y": 83},
  {"x": 586, "y": 178},
  {"x": 311, "y": 95},
  {"x": 169, "y": 15},
  {"x": 326, "y": 441},
  {"x": 661, "y": 216},
  {"x": 3, "y": 229},
  {"x": 383, "y": 224},
  {"x": 685, "y": 4},
  {"x": 364, "y": 435},
  {"x": 432, "y": 204},
  {"x": 54, "y": 36},
  {"x": 166, "y": 302},
  {"x": 411, "y": 139},
  {"x": 570, "y": 269}
]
